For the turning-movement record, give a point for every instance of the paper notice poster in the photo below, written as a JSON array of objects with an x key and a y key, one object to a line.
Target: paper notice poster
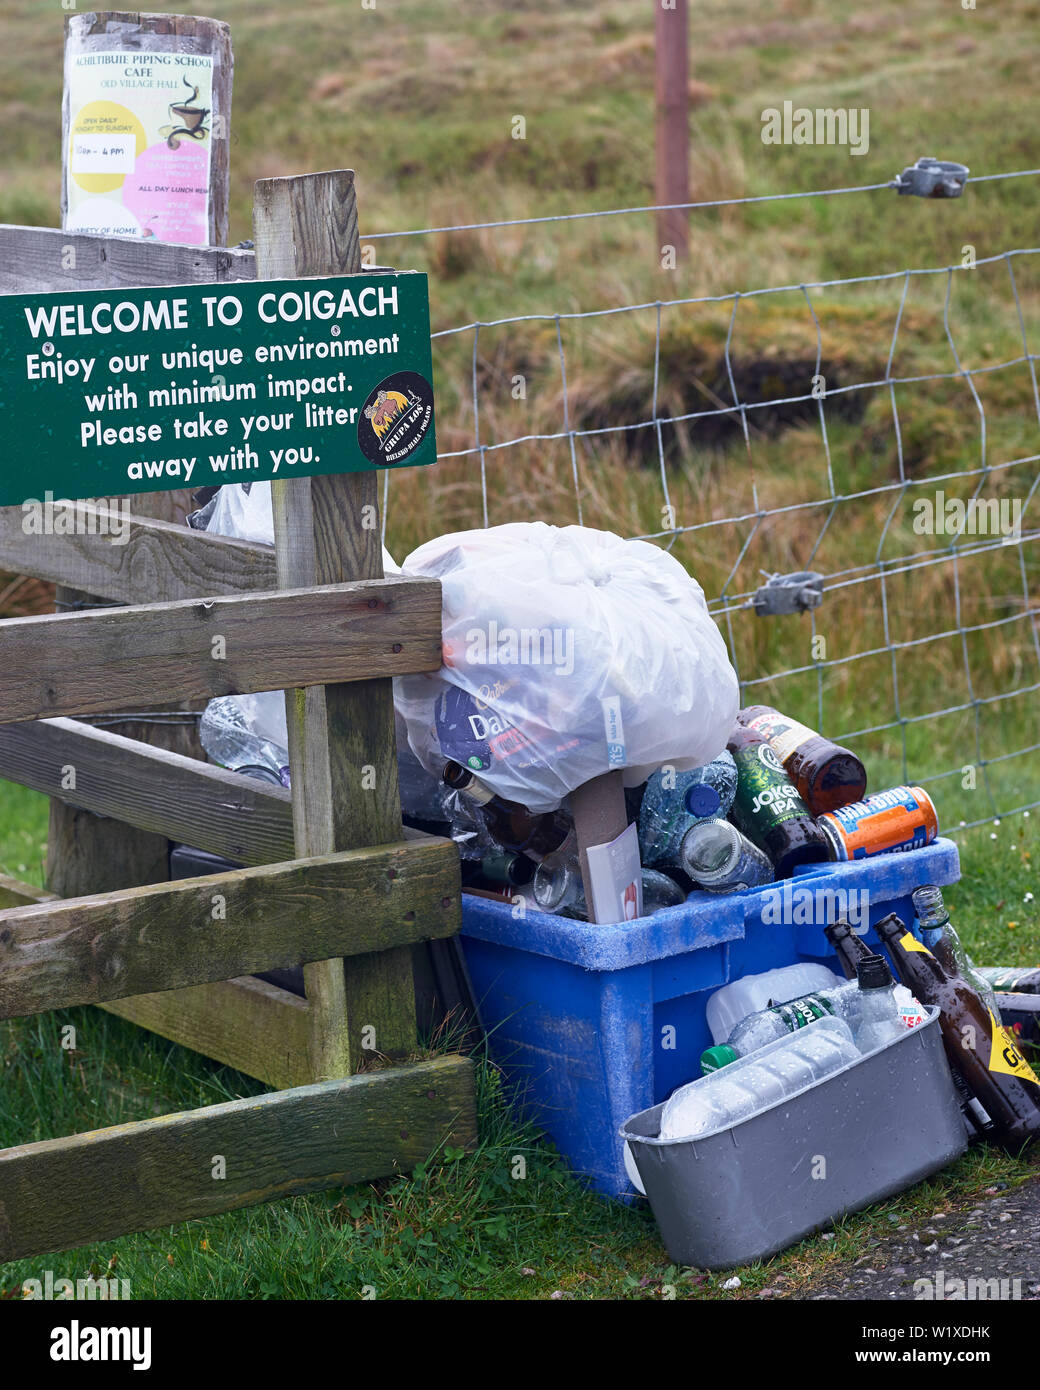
[{"x": 140, "y": 132}]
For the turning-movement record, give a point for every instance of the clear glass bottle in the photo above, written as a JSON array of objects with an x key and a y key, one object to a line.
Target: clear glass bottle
[
  {"x": 939, "y": 935},
  {"x": 719, "y": 858}
]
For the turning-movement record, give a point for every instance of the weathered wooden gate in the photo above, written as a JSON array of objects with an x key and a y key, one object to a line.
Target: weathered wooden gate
[{"x": 332, "y": 882}]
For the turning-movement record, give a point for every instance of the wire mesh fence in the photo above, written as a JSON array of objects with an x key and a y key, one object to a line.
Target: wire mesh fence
[{"x": 881, "y": 430}]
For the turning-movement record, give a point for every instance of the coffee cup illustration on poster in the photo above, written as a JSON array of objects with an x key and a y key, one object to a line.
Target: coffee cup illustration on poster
[{"x": 140, "y": 135}]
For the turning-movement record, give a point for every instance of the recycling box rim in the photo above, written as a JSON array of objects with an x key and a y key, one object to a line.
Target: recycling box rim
[{"x": 677, "y": 930}]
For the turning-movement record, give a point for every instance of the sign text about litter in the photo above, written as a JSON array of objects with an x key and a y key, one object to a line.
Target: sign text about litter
[{"x": 121, "y": 391}]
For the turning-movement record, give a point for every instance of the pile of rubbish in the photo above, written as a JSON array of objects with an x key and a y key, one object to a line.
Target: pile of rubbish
[
  {"x": 569, "y": 654},
  {"x": 825, "y": 1078}
]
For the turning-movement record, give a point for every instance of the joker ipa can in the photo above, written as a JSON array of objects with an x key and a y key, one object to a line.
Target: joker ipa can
[{"x": 885, "y": 823}]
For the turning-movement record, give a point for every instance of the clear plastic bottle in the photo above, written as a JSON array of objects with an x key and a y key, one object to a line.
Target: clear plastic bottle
[
  {"x": 232, "y": 731},
  {"x": 751, "y": 993},
  {"x": 720, "y": 859},
  {"x": 938, "y": 934},
  {"x": 675, "y": 801},
  {"x": 868, "y": 1005},
  {"x": 879, "y": 1021},
  {"x": 751, "y": 1084},
  {"x": 766, "y": 1026}
]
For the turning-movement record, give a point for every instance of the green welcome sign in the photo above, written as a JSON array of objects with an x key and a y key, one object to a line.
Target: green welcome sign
[{"x": 120, "y": 391}]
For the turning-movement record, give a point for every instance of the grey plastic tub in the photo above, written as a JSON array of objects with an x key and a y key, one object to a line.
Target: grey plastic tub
[{"x": 867, "y": 1131}]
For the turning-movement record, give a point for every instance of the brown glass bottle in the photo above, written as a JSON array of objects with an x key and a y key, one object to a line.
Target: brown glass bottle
[
  {"x": 848, "y": 947},
  {"x": 767, "y": 807},
  {"x": 827, "y": 776},
  {"x": 976, "y": 1044},
  {"x": 512, "y": 826}
]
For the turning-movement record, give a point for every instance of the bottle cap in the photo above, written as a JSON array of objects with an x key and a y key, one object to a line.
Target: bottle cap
[
  {"x": 837, "y": 931},
  {"x": 713, "y": 1058},
  {"x": 872, "y": 972},
  {"x": 702, "y": 799}
]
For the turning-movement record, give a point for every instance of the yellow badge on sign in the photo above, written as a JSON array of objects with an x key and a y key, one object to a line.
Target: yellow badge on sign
[
  {"x": 1005, "y": 1056},
  {"x": 909, "y": 942}
]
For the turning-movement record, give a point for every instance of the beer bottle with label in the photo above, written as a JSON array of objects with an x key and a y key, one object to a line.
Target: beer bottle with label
[
  {"x": 976, "y": 1044},
  {"x": 767, "y": 807},
  {"x": 512, "y": 826},
  {"x": 826, "y": 774}
]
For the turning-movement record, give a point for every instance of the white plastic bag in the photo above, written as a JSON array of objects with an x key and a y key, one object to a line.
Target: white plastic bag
[
  {"x": 247, "y": 516},
  {"x": 567, "y": 652},
  {"x": 250, "y": 730},
  {"x": 244, "y": 515}
]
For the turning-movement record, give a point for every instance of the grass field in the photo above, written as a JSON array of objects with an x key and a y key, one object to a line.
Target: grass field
[
  {"x": 420, "y": 96},
  {"x": 455, "y": 1227}
]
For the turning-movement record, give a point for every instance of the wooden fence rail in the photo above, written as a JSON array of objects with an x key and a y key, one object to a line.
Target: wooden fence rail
[
  {"x": 148, "y": 557},
  {"x": 332, "y": 881},
  {"x": 168, "y": 935},
  {"x": 188, "y": 801},
  {"x": 105, "y": 658},
  {"x": 65, "y": 1192}
]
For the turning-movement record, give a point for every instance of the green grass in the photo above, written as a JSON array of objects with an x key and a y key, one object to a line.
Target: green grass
[
  {"x": 456, "y": 1227},
  {"x": 419, "y": 97},
  {"x": 23, "y": 834}
]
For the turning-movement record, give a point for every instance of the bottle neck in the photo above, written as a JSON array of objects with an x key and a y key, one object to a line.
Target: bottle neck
[
  {"x": 462, "y": 780},
  {"x": 930, "y": 908}
]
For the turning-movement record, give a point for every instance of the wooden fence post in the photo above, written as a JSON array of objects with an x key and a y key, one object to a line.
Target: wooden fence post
[{"x": 342, "y": 743}]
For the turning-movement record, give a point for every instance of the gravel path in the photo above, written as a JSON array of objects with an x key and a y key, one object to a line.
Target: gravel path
[{"x": 996, "y": 1237}]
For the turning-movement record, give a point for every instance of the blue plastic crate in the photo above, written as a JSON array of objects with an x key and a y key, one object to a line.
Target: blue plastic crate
[{"x": 595, "y": 1023}]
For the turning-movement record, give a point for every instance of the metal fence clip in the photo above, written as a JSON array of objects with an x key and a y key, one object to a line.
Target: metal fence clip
[
  {"x": 932, "y": 178},
  {"x": 788, "y": 593}
]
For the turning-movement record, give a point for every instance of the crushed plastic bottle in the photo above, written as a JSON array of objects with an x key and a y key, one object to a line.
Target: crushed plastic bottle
[
  {"x": 868, "y": 1005},
  {"x": 752, "y": 1084},
  {"x": 675, "y": 801}
]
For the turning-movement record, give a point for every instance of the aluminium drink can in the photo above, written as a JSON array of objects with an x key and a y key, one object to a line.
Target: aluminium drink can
[{"x": 887, "y": 822}]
